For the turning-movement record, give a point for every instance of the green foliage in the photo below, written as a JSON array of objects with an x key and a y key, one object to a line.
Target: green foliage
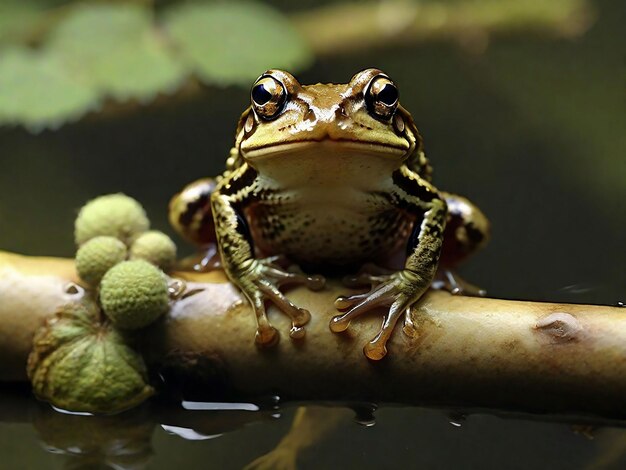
[
  {"x": 91, "y": 52},
  {"x": 116, "y": 51},
  {"x": 229, "y": 43},
  {"x": 36, "y": 91},
  {"x": 15, "y": 16}
]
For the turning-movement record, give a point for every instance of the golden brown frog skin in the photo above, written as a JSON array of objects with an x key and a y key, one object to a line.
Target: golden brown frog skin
[{"x": 330, "y": 176}]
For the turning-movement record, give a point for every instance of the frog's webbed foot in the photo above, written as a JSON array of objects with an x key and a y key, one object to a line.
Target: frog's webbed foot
[
  {"x": 399, "y": 291},
  {"x": 260, "y": 282},
  {"x": 449, "y": 280}
]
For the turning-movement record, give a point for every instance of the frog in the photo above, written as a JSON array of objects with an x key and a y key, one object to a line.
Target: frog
[{"x": 330, "y": 178}]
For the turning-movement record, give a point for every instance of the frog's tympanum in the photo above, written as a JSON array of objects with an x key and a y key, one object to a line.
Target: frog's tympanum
[{"x": 330, "y": 177}]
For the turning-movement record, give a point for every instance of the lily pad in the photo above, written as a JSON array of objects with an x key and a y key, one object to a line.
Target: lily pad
[
  {"x": 79, "y": 363},
  {"x": 37, "y": 91},
  {"x": 116, "y": 49},
  {"x": 233, "y": 43}
]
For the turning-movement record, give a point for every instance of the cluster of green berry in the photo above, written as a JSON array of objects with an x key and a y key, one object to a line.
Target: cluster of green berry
[{"x": 123, "y": 260}]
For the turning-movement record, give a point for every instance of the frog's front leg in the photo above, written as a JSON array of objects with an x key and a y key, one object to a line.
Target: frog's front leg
[
  {"x": 401, "y": 290},
  {"x": 258, "y": 279}
]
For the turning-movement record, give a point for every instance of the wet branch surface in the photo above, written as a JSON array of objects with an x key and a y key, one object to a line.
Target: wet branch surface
[{"x": 469, "y": 353}]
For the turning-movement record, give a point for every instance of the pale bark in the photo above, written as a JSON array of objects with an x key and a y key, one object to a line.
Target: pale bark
[{"x": 469, "y": 352}]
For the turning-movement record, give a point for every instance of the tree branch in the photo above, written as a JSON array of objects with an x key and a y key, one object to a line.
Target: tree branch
[
  {"x": 469, "y": 23},
  {"x": 470, "y": 352}
]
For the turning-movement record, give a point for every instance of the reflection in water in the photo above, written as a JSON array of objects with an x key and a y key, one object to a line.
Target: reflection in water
[
  {"x": 208, "y": 406},
  {"x": 456, "y": 419},
  {"x": 120, "y": 442},
  {"x": 124, "y": 441},
  {"x": 310, "y": 425},
  {"x": 129, "y": 441},
  {"x": 68, "y": 412},
  {"x": 612, "y": 450},
  {"x": 187, "y": 434},
  {"x": 364, "y": 414}
]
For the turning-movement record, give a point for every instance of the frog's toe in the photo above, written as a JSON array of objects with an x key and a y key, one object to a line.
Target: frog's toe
[
  {"x": 299, "y": 316},
  {"x": 449, "y": 280},
  {"x": 399, "y": 292},
  {"x": 297, "y": 332},
  {"x": 296, "y": 277},
  {"x": 344, "y": 302},
  {"x": 263, "y": 284},
  {"x": 376, "y": 349},
  {"x": 359, "y": 304},
  {"x": 266, "y": 336},
  {"x": 409, "y": 328}
]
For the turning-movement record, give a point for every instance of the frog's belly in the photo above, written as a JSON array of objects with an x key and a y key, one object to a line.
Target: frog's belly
[{"x": 327, "y": 234}]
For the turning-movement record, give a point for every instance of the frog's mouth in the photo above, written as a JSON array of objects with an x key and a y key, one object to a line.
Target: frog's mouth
[
  {"x": 325, "y": 147},
  {"x": 326, "y": 163}
]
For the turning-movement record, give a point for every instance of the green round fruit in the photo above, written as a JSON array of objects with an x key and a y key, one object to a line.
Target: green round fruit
[
  {"x": 95, "y": 257},
  {"x": 156, "y": 248},
  {"x": 133, "y": 294},
  {"x": 115, "y": 215}
]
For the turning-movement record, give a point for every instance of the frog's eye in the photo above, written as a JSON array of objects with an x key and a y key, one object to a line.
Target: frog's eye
[
  {"x": 268, "y": 97},
  {"x": 381, "y": 97}
]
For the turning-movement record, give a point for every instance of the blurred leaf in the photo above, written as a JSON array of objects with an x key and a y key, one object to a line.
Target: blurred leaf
[
  {"x": 15, "y": 16},
  {"x": 36, "y": 91},
  {"x": 22, "y": 20},
  {"x": 114, "y": 48},
  {"x": 232, "y": 43}
]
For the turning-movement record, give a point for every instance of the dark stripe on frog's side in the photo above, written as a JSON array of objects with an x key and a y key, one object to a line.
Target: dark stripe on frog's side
[
  {"x": 243, "y": 229},
  {"x": 413, "y": 186},
  {"x": 474, "y": 233},
  {"x": 242, "y": 183},
  {"x": 186, "y": 217},
  {"x": 238, "y": 190},
  {"x": 414, "y": 238},
  {"x": 417, "y": 196}
]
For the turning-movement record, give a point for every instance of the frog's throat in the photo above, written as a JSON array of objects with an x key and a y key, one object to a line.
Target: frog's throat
[{"x": 331, "y": 147}]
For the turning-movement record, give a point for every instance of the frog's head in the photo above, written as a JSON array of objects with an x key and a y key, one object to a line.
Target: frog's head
[{"x": 357, "y": 119}]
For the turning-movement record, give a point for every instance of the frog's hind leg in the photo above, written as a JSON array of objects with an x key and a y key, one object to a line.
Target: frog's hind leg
[
  {"x": 467, "y": 231},
  {"x": 191, "y": 216}
]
